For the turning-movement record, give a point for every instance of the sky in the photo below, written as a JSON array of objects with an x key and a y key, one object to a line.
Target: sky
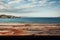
[{"x": 30, "y": 8}]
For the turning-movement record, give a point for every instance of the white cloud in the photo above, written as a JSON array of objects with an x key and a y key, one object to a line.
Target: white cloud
[
  {"x": 33, "y": 3},
  {"x": 39, "y": 15},
  {"x": 28, "y": 5},
  {"x": 50, "y": 13},
  {"x": 25, "y": 6},
  {"x": 15, "y": 1},
  {"x": 2, "y": 7},
  {"x": 43, "y": 2}
]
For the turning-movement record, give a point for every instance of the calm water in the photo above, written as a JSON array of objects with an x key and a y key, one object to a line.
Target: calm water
[{"x": 33, "y": 20}]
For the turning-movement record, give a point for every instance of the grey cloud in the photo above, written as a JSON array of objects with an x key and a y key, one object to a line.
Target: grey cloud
[{"x": 17, "y": 10}]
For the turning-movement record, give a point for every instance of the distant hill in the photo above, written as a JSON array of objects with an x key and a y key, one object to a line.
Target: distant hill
[{"x": 8, "y": 16}]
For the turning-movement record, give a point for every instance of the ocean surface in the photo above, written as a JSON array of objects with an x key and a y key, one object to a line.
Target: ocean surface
[{"x": 30, "y": 20}]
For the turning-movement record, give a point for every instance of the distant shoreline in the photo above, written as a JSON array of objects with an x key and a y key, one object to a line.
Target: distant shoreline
[
  {"x": 26, "y": 23},
  {"x": 31, "y": 22}
]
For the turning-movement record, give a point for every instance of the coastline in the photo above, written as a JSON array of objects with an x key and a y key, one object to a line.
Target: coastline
[
  {"x": 22, "y": 29},
  {"x": 16, "y": 23}
]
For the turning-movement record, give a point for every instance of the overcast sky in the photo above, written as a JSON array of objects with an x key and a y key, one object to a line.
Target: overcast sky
[{"x": 30, "y": 8}]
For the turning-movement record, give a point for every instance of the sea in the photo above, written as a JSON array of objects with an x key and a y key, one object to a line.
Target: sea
[{"x": 29, "y": 20}]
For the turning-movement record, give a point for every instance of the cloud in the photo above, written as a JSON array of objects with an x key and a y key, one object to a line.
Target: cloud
[
  {"x": 28, "y": 7},
  {"x": 2, "y": 7},
  {"x": 3, "y": 4},
  {"x": 33, "y": 3},
  {"x": 43, "y": 2},
  {"x": 20, "y": 4},
  {"x": 34, "y": 14},
  {"x": 25, "y": 6},
  {"x": 15, "y": 1}
]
